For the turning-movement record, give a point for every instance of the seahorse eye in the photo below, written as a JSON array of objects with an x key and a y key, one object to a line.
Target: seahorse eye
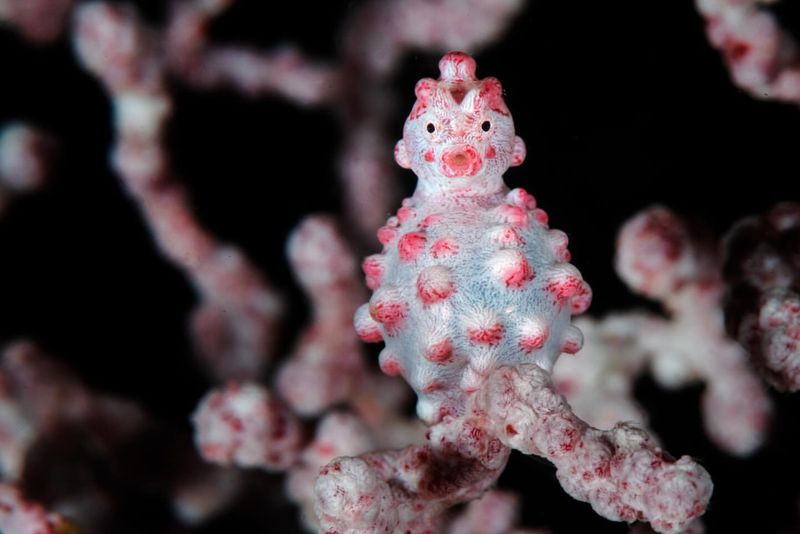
[
  {"x": 431, "y": 128},
  {"x": 486, "y": 126}
]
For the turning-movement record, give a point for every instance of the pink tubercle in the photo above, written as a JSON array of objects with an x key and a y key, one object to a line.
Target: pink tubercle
[
  {"x": 457, "y": 67},
  {"x": 433, "y": 387},
  {"x": 418, "y": 109},
  {"x": 490, "y": 336},
  {"x": 533, "y": 334},
  {"x": 582, "y": 300},
  {"x": 388, "y": 313},
  {"x": 559, "y": 242},
  {"x": 520, "y": 197},
  {"x": 508, "y": 236},
  {"x": 520, "y": 275},
  {"x": 440, "y": 353},
  {"x": 373, "y": 270},
  {"x": 529, "y": 344},
  {"x": 405, "y": 213},
  {"x": 573, "y": 340},
  {"x": 513, "y": 215},
  {"x": 444, "y": 248},
  {"x": 492, "y": 92},
  {"x": 386, "y": 235},
  {"x": 369, "y": 333},
  {"x": 434, "y": 284},
  {"x": 217, "y": 453},
  {"x": 429, "y": 221},
  {"x": 564, "y": 287},
  {"x": 423, "y": 90},
  {"x": 541, "y": 216},
  {"x": 410, "y": 246},
  {"x": 512, "y": 268},
  {"x": 391, "y": 366}
]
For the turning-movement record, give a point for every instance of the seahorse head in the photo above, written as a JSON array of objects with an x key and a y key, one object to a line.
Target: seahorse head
[{"x": 459, "y": 135}]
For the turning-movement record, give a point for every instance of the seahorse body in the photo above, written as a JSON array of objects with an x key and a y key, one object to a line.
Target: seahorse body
[{"x": 470, "y": 278}]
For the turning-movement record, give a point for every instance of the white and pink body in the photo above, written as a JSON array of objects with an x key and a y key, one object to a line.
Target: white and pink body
[{"x": 470, "y": 278}]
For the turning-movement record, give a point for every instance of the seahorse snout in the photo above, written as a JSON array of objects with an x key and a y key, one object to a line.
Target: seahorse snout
[{"x": 461, "y": 161}]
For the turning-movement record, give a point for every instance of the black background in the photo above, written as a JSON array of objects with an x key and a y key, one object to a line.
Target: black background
[{"x": 622, "y": 104}]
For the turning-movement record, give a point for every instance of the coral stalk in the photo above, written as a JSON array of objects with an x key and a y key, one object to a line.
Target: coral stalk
[{"x": 235, "y": 324}]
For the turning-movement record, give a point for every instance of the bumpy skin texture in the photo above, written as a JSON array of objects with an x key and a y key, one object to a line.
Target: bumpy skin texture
[
  {"x": 470, "y": 278},
  {"x": 473, "y": 296},
  {"x": 762, "y": 270}
]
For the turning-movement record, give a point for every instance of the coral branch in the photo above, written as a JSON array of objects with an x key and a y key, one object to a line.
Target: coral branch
[
  {"x": 762, "y": 58},
  {"x": 284, "y": 71},
  {"x": 598, "y": 381},
  {"x": 658, "y": 257},
  {"x": 61, "y": 438},
  {"x": 235, "y": 324},
  {"x": 326, "y": 366},
  {"x": 338, "y": 434},
  {"x": 408, "y": 490},
  {"x": 621, "y": 472},
  {"x": 762, "y": 270},
  {"x": 49, "y": 396},
  {"x": 244, "y": 425}
]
